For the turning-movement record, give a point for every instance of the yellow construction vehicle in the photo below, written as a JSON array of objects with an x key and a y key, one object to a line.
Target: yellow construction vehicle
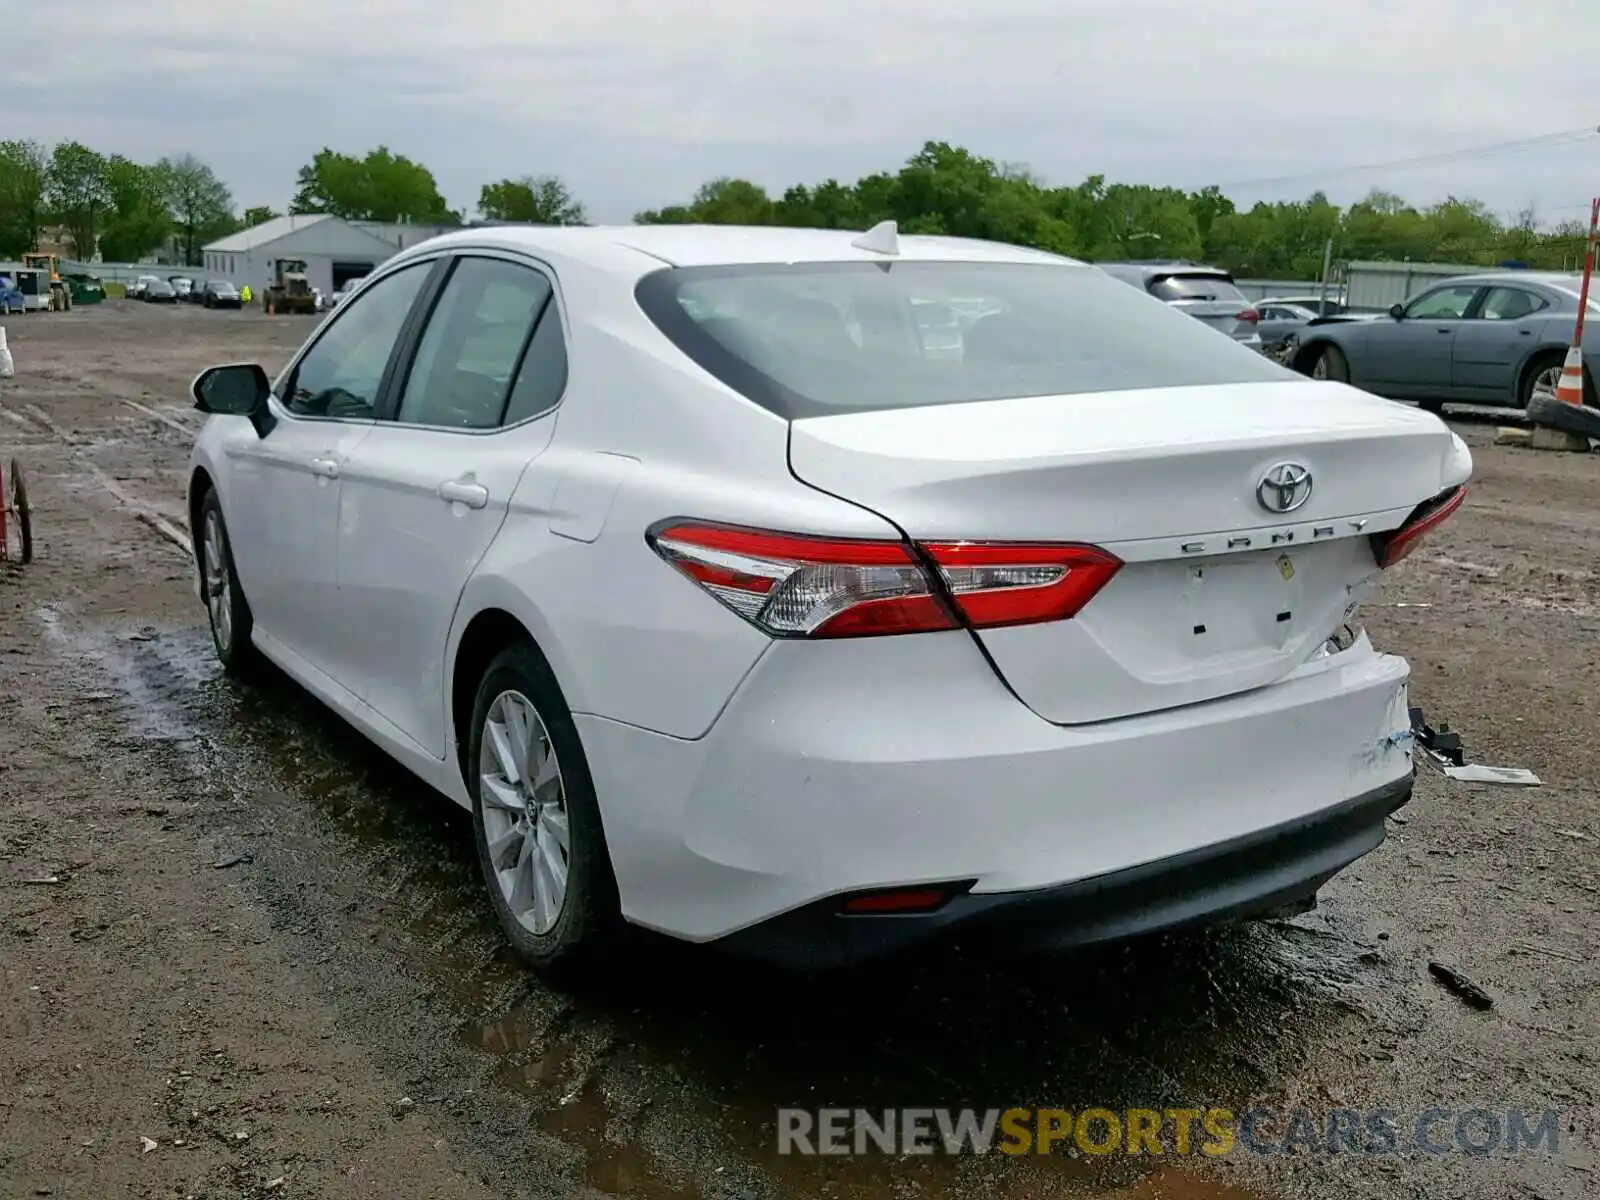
[
  {"x": 60, "y": 290},
  {"x": 290, "y": 289}
]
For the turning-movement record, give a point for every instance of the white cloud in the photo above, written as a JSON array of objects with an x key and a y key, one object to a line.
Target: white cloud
[{"x": 635, "y": 102}]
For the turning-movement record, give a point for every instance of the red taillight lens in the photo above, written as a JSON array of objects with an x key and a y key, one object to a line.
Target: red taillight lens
[
  {"x": 1004, "y": 584},
  {"x": 1390, "y": 548},
  {"x": 794, "y": 585},
  {"x": 1250, "y": 315}
]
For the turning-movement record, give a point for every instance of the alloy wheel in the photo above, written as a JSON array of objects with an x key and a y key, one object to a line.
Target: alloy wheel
[
  {"x": 218, "y": 602},
  {"x": 524, "y": 804}
]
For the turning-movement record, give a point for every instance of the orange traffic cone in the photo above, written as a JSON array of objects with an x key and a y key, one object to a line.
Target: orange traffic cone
[{"x": 1570, "y": 389}]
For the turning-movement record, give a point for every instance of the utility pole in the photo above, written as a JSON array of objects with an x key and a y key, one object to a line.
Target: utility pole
[{"x": 1327, "y": 265}]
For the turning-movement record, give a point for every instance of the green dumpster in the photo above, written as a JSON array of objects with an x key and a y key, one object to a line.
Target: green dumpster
[{"x": 85, "y": 289}]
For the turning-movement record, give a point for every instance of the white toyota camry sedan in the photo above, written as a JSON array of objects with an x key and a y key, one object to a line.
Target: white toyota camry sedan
[{"x": 734, "y": 608}]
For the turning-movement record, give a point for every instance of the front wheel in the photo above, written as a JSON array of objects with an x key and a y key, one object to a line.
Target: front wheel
[
  {"x": 226, "y": 606},
  {"x": 541, "y": 845},
  {"x": 1331, "y": 364},
  {"x": 17, "y": 514}
]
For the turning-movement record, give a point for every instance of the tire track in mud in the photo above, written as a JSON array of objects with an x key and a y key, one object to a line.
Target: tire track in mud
[{"x": 148, "y": 514}]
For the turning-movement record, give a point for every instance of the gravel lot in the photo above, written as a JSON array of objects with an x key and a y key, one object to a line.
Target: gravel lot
[{"x": 228, "y": 927}]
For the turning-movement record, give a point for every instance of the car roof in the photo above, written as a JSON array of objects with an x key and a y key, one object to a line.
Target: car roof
[
  {"x": 630, "y": 246},
  {"x": 1548, "y": 278},
  {"x": 1167, "y": 267}
]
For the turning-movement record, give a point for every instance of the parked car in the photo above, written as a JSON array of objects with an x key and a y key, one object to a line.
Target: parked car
[
  {"x": 136, "y": 291},
  {"x": 11, "y": 297},
  {"x": 159, "y": 291},
  {"x": 219, "y": 293},
  {"x": 342, "y": 292},
  {"x": 799, "y": 641},
  {"x": 1281, "y": 320},
  {"x": 1493, "y": 338},
  {"x": 182, "y": 286},
  {"x": 1332, "y": 306},
  {"x": 1206, "y": 293}
]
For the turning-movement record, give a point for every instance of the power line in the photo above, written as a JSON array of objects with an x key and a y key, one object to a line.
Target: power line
[{"x": 1494, "y": 149}]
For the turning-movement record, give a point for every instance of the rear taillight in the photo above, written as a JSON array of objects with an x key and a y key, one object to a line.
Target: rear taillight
[
  {"x": 1249, "y": 315},
  {"x": 795, "y": 585},
  {"x": 1390, "y": 548}
]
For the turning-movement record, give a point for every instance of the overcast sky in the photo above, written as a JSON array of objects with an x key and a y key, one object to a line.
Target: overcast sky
[{"x": 636, "y": 102}]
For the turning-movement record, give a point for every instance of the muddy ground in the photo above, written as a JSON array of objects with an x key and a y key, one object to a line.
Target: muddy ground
[{"x": 229, "y": 928}]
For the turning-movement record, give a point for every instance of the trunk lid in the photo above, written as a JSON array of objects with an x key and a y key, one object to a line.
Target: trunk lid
[
  {"x": 1220, "y": 315},
  {"x": 1218, "y": 593}
]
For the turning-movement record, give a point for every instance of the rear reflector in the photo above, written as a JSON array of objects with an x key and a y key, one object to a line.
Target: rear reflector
[
  {"x": 1390, "y": 548},
  {"x": 795, "y": 585},
  {"x": 916, "y": 900}
]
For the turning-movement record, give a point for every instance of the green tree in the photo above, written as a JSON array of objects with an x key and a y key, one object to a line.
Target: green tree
[
  {"x": 721, "y": 202},
  {"x": 258, "y": 215},
  {"x": 24, "y": 170},
  {"x": 77, "y": 194},
  {"x": 201, "y": 205},
  {"x": 382, "y": 186},
  {"x": 533, "y": 200},
  {"x": 137, "y": 219}
]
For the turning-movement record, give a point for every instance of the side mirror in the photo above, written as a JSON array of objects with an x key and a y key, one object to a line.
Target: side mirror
[
  {"x": 235, "y": 390},
  {"x": 1397, "y": 311}
]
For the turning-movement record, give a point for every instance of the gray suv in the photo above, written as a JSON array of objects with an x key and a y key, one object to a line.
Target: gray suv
[{"x": 1205, "y": 293}]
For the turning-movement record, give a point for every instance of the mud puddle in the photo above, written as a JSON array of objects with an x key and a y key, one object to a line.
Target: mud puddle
[{"x": 661, "y": 1078}]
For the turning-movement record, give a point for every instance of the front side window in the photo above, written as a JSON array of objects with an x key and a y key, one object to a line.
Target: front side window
[
  {"x": 340, "y": 375},
  {"x": 469, "y": 354},
  {"x": 813, "y": 339},
  {"x": 1446, "y": 304}
]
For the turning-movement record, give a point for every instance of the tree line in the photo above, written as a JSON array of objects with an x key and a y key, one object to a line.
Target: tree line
[
  {"x": 125, "y": 210},
  {"x": 128, "y": 210},
  {"x": 945, "y": 189}
]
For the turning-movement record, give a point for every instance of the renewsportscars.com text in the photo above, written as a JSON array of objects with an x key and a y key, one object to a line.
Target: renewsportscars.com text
[{"x": 1213, "y": 1132}]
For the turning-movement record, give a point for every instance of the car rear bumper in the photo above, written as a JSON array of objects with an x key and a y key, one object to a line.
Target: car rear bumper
[
  {"x": 1251, "y": 875},
  {"x": 839, "y": 768}
]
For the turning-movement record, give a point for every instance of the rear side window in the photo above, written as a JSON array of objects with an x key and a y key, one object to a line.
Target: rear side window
[
  {"x": 813, "y": 339},
  {"x": 469, "y": 354},
  {"x": 1196, "y": 287}
]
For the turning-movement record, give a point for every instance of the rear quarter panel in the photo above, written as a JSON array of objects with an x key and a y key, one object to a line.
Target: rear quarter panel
[{"x": 642, "y": 435}]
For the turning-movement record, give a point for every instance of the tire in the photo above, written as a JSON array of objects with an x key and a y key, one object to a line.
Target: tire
[
  {"x": 1331, "y": 364},
  {"x": 18, "y": 503},
  {"x": 227, "y": 611},
  {"x": 1541, "y": 364},
  {"x": 520, "y": 854},
  {"x": 1581, "y": 419}
]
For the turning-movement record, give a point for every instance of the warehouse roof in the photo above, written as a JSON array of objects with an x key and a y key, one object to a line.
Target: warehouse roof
[{"x": 279, "y": 228}]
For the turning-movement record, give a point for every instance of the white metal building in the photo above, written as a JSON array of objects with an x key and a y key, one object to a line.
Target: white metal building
[{"x": 333, "y": 250}]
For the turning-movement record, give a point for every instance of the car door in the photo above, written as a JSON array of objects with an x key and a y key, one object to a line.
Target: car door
[
  {"x": 283, "y": 489},
  {"x": 1411, "y": 355},
  {"x": 1493, "y": 340},
  {"x": 426, "y": 492}
]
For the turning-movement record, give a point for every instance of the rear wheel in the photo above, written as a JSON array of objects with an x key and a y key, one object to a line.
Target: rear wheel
[
  {"x": 1541, "y": 375},
  {"x": 535, "y": 818},
  {"x": 1331, "y": 364}
]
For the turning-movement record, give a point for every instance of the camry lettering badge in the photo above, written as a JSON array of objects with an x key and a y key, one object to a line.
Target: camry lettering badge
[{"x": 1284, "y": 487}]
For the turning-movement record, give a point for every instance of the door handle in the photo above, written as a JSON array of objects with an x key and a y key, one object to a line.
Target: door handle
[
  {"x": 1446, "y": 329},
  {"x": 328, "y": 468},
  {"x": 473, "y": 495}
]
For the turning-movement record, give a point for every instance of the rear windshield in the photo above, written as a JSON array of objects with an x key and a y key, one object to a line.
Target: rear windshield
[
  {"x": 813, "y": 339},
  {"x": 1196, "y": 287}
]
